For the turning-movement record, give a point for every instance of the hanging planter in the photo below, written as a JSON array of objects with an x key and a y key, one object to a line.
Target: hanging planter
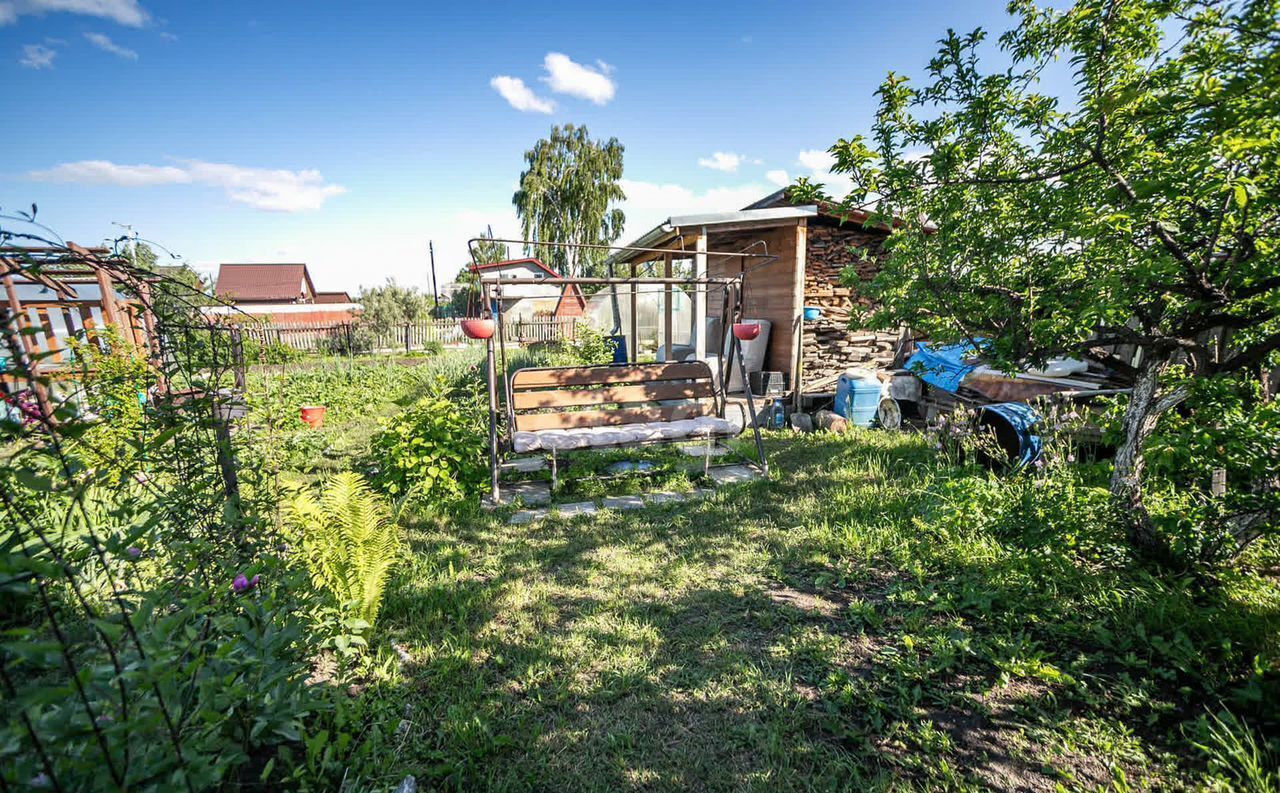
[
  {"x": 478, "y": 328},
  {"x": 743, "y": 331}
]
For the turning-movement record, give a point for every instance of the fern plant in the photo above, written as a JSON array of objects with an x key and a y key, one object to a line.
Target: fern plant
[{"x": 350, "y": 542}]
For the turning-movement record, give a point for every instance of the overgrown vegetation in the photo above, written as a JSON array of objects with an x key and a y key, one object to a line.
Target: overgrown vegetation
[
  {"x": 1139, "y": 210},
  {"x": 876, "y": 618}
]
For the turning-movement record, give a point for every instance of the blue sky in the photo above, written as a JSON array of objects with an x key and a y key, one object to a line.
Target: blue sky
[{"x": 348, "y": 135}]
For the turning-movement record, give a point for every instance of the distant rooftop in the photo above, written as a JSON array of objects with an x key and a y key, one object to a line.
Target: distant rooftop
[{"x": 265, "y": 283}]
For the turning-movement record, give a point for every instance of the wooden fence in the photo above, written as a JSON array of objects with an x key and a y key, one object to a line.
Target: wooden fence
[{"x": 347, "y": 337}]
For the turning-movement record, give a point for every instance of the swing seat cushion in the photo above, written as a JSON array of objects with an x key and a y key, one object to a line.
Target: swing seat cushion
[{"x": 585, "y": 437}]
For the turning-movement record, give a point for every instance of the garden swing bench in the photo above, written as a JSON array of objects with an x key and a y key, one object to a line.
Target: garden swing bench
[{"x": 546, "y": 411}]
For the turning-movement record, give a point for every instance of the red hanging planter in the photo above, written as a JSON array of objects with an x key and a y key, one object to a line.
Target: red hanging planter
[
  {"x": 478, "y": 328},
  {"x": 744, "y": 331},
  {"x": 312, "y": 415}
]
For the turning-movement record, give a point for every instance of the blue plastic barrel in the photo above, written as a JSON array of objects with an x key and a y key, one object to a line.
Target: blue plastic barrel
[
  {"x": 1014, "y": 424},
  {"x": 619, "y": 343},
  {"x": 857, "y": 396}
]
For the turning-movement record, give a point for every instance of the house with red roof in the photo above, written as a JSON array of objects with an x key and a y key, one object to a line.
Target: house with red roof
[
  {"x": 279, "y": 292},
  {"x": 534, "y": 301}
]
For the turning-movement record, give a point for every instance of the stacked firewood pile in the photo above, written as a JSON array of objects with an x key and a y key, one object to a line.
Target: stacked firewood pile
[{"x": 830, "y": 345}]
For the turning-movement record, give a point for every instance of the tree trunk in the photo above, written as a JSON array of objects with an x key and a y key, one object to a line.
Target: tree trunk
[{"x": 1146, "y": 404}]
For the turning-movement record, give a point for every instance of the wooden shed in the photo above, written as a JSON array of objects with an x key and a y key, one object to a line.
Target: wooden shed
[{"x": 813, "y": 248}]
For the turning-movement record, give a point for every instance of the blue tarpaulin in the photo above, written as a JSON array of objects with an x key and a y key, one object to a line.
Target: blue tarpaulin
[
  {"x": 1024, "y": 445},
  {"x": 943, "y": 367}
]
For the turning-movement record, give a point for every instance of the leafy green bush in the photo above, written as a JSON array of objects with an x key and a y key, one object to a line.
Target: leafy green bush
[
  {"x": 1227, "y": 425},
  {"x": 114, "y": 383},
  {"x": 271, "y": 352},
  {"x": 588, "y": 347},
  {"x": 208, "y": 659},
  {"x": 434, "y": 451},
  {"x": 349, "y": 541}
]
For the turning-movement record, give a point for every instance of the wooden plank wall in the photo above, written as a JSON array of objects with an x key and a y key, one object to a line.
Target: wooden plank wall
[{"x": 771, "y": 290}]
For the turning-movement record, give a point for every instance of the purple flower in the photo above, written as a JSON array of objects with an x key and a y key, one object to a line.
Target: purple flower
[
  {"x": 133, "y": 551},
  {"x": 1071, "y": 458},
  {"x": 242, "y": 584}
]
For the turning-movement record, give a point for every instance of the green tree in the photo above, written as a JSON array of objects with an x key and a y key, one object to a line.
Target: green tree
[
  {"x": 568, "y": 193},
  {"x": 487, "y": 250},
  {"x": 1142, "y": 208},
  {"x": 392, "y": 305},
  {"x": 466, "y": 301}
]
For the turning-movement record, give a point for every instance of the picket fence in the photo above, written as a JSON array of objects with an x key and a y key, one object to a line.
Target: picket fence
[{"x": 346, "y": 337}]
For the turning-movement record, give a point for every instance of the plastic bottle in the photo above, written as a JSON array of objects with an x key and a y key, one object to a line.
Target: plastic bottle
[{"x": 777, "y": 415}]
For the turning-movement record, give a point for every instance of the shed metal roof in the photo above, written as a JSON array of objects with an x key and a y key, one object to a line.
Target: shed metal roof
[{"x": 741, "y": 216}]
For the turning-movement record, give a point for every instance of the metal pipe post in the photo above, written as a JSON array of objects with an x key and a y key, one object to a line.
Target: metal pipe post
[
  {"x": 493, "y": 412},
  {"x": 735, "y": 350}
]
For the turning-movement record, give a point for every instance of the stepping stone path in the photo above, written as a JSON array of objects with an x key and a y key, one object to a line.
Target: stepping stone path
[{"x": 721, "y": 476}]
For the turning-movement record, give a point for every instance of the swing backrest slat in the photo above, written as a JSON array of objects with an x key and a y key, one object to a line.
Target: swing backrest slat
[{"x": 598, "y": 396}]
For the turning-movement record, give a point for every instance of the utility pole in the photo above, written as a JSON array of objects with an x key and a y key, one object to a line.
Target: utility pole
[{"x": 435, "y": 293}]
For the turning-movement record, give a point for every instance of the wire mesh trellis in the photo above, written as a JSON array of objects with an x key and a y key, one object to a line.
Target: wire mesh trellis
[{"x": 149, "y": 608}]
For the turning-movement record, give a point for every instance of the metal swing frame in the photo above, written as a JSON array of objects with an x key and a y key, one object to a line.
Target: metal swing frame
[{"x": 500, "y": 398}]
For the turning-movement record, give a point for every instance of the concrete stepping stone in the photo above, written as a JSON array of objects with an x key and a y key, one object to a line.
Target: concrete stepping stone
[
  {"x": 525, "y": 465},
  {"x": 732, "y": 474},
  {"x": 624, "y": 502},
  {"x": 528, "y": 493}
]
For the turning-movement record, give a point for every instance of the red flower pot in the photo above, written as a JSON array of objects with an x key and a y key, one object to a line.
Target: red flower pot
[
  {"x": 478, "y": 328},
  {"x": 743, "y": 331},
  {"x": 313, "y": 416}
]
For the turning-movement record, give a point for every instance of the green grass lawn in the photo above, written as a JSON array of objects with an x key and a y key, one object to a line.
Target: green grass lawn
[{"x": 851, "y": 624}]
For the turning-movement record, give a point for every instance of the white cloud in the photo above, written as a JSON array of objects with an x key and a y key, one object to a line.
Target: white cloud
[
  {"x": 778, "y": 177},
  {"x": 816, "y": 159},
  {"x": 722, "y": 161},
  {"x": 650, "y": 203},
  {"x": 37, "y": 56},
  {"x": 819, "y": 163},
  {"x": 104, "y": 172},
  {"x": 104, "y": 43},
  {"x": 260, "y": 188},
  {"x": 124, "y": 12},
  {"x": 167, "y": 36},
  {"x": 520, "y": 96},
  {"x": 567, "y": 77}
]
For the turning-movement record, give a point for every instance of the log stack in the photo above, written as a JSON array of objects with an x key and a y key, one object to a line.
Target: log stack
[{"x": 830, "y": 345}]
